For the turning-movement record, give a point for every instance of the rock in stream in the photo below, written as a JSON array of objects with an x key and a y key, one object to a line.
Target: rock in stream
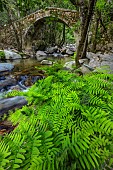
[{"x": 11, "y": 104}]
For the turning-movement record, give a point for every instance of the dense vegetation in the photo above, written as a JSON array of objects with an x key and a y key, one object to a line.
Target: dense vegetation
[{"x": 68, "y": 124}]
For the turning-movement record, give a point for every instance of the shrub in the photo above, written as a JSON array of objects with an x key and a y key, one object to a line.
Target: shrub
[
  {"x": 67, "y": 125},
  {"x": 2, "y": 55}
]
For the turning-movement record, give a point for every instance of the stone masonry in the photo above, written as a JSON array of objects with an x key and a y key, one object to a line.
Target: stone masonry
[{"x": 7, "y": 36}]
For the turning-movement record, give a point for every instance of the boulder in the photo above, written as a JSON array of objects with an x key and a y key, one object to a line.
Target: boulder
[
  {"x": 10, "y": 55},
  {"x": 66, "y": 55},
  {"x": 91, "y": 55},
  {"x": 46, "y": 62},
  {"x": 69, "y": 52},
  {"x": 57, "y": 55},
  {"x": 7, "y": 82},
  {"x": 69, "y": 65},
  {"x": 52, "y": 50},
  {"x": 94, "y": 63},
  {"x": 11, "y": 104},
  {"x": 84, "y": 69},
  {"x": 6, "y": 67},
  {"x": 98, "y": 60},
  {"x": 85, "y": 60},
  {"x": 73, "y": 49},
  {"x": 106, "y": 57},
  {"x": 109, "y": 65},
  {"x": 40, "y": 55}
]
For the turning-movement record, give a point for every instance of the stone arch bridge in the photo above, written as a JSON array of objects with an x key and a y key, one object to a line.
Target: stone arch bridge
[{"x": 7, "y": 34}]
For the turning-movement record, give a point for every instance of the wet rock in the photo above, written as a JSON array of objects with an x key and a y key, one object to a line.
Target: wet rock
[
  {"x": 99, "y": 60},
  {"x": 84, "y": 69},
  {"x": 73, "y": 48},
  {"x": 66, "y": 55},
  {"x": 7, "y": 82},
  {"x": 52, "y": 50},
  {"x": 57, "y": 55},
  {"x": 25, "y": 81},
  {"x": 69, "y": 65},
  {"x": 91, "y": 55},
  {"x": 11, "y": 104},
  {"x": 94, "y": 63},
  {"x": 40, "y": 55},
  {"x": 6, "y": 67},
  {"x": 106, "y": 57},
  {"x": 46, "y": 62},
  {"x": 81, "y": 61},
  {"x": 16, "y": 87},
  {"x": 90, "y": 68},
  {"x": 69, "y": 52},
  {"x": 10, "y": 55},
  {"x": 109, "y": 65},
  {"x": 2, "y": 78}
]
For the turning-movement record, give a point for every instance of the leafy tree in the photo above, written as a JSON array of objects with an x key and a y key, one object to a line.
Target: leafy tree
[{"x": 103, "y": 23}]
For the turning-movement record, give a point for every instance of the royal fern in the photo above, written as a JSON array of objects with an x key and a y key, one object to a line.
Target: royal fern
[{"x": 67, "y": 125}]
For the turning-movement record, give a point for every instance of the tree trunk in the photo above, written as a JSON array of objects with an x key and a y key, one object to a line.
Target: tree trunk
[
  {"x": 85, "y": 48},
  {"x": 84, "y": 32},
  {"x": 63, "y": 36}
]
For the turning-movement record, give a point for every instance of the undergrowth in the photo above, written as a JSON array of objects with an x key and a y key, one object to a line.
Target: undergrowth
[
  {"x": 67, "y": 125},
  {"x": 2, "y": 55}
]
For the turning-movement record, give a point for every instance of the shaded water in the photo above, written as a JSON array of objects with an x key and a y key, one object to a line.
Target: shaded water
[
  {"x": 29, "y": 63},
  {"x": 22, "y": 64},
  {"x": 31, "y": 68}
]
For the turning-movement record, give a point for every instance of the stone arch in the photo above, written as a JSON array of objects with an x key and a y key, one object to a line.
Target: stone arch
[
  {"x": 69, "y": 17},
  {"x": 58, "y": 19}
]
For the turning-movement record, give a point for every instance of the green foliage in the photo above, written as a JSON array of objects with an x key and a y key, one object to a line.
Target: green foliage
[
  {"x": 2, "y": 55},
  {"x": 100, "y": 4},
  {"x": 52, "y": 69},
  {"x": 68, "y": 124},
  {"x": 105, "y": 10},
  {"x": 69, "y": 33}
]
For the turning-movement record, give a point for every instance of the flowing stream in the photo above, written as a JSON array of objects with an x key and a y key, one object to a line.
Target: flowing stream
[{"x": 26, "y": 72}]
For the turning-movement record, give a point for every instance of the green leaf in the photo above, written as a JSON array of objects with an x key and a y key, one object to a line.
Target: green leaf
[
  {"x": 77, "y": 149},
  {"x": 47, "y": 134},
  {"x": 73, "y": 150},
  {"x": 94, "y": 158},
  {"x": 22, "y": 150},
  {"x": 20, "y": 156},
  {"x": 111, "y": 162},
  {"x": 80, "y": 144},
  {"x": 90, "y": 160},
  {"x": 18, "y": 161},
  {"x": 7, "y": 154},
  {"x": 15, "y": 166},
  {"x": 82, "y": 162},
  {"x": 84, "y": 143},
  {"x": 86, "y": 161}
]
